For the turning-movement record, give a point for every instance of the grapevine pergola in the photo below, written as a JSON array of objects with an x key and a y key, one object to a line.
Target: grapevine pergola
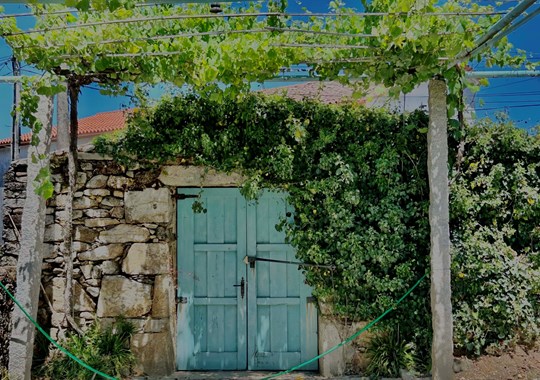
[{"x": 398, "y": 43}]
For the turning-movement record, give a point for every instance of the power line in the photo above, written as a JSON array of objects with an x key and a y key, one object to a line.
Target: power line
[
  {"x": 322, "y": 32},
  {"x": 512, "y": 83},
  {"x": 165, "y": 37},
  {"x": 323, "y": 46},
  {"x": 67, "y": 11},
  {"x": 216, "y": 33},
  {"x": 516, "y": 106},
  {"x": 238, "y": 15}
]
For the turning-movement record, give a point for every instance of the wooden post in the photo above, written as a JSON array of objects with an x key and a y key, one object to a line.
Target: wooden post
[{"x": 441, "y": 305}]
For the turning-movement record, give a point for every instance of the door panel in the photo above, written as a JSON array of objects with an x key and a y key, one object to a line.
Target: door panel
[
  {"x": 272, "y": 327},
  {"x": 285, "y": 322},
  {"x": 211, "y": 324}
]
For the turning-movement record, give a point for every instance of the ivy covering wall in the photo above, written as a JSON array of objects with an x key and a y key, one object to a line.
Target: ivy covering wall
[{"x": 357, "y": 180}]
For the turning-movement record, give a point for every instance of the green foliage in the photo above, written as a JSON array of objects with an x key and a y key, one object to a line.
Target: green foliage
[
  {"x": 495, "y": 233},
  {"x": 357, "y": 180},
  {"x": 404, "y": 48},
  {"x": 495, "y": 293},
  {"x": 106, "y": 349},
  {"x": 388, "y": 353},
  {"x": 31, "y": 89},
  {"x": 355, "y": 176}
]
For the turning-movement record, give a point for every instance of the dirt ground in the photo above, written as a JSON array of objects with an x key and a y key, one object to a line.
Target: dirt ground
[{"x": 523, "y": 364}]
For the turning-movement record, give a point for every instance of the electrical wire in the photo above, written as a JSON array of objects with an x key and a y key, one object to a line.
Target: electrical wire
[
  {"x": 67, "y": 11},
  {"x": 506, "y": 107},
  {"x": 237, "y": 15}
]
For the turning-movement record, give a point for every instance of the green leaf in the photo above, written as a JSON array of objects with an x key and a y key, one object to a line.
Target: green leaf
[{"x": 45, "y": 189}]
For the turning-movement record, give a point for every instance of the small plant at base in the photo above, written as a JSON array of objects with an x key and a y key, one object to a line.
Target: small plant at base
[
  {"x": 103, "y": 348},
  {"x": 389, "y": 352}
]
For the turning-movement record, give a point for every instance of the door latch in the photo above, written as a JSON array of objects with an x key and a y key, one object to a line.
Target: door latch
[{"x": 242, "y": 286}]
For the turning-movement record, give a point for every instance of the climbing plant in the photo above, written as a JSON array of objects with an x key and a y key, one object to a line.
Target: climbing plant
[
  {"x": 357, "y": 180},
  {"x": 112, "y": 42},
  {"x": 495, "y": 213}
]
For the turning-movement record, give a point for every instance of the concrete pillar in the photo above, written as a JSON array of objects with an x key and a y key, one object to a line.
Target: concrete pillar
[
  {"x": 30, "y": 254},
  {"x": 441, "y": 306},
  {"x": 62, "y": 116}
]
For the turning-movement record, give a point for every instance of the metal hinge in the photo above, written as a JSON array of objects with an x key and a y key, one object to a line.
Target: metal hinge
[
  {"x": 184, "y": 196},
  {"x": 181, "y": 300}
]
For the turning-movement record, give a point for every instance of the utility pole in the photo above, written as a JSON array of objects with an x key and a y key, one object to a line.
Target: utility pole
[{"x": 16, "y": 128}]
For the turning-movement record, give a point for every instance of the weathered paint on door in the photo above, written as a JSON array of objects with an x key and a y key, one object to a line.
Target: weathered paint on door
[{"x": 270, "y": 324}]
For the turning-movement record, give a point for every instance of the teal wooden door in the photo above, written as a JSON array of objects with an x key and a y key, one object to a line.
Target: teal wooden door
[
  {"x": 211, "y": 311},
  {"x": 266, "y": 324}
]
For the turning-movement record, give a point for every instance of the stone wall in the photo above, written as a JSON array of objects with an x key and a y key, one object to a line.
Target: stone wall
[
  {"x": 7, "y": 276},
  {"x": 124, "y": 252}
]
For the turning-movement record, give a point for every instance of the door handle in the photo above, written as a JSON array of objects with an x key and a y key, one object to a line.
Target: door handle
[{"x": 241, "y": 285}]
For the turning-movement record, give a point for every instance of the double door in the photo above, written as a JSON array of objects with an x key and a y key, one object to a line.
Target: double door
[{"x": 237, "y": 311}]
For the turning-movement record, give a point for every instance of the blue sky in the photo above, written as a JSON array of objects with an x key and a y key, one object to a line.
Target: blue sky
[{"x": 519, "y": 97}]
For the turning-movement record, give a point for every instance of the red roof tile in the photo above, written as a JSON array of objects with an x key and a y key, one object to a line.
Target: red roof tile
[
  {"x": 88, "y": 126},
  {"x": 326, "y": 92}
]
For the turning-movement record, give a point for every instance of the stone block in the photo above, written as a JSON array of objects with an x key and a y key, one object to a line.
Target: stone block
[
  {"x": 110, "y": 267},
  {"x": 96, "y": 213},
  {"x": 93, "y": 291},
  {"x": 333, "y": 364},
  {"x": 10, "y": 235},
  {"x": 154, "y": 353},
  {"x": 87, "y": 315},
  {"x": 124, "y": 233},
  {"x": 85, "y": 234},
  {"x": 81, "y": 180},
  {"x": 86, "y": 166},
  {"x": 97, "y": 182},
  {"x": 53, "y": 233},
  {"x": 84, "y": 202},
  {"x": 117, "y": 212},
  {"x": 152, "y": 325},
  {"x": 149, "y": 205},
  {"x": 163, "y": 304},
  {"x": 112, "y": 202},
  {"x": 105, "y": 252},
  {"x": 151, "y": 258},
  {"x": 97, "y": 192},
  {"x": 122, "y": 296},
  {"x": 93, "y": 282},
  {"x": 14, "y": 203},
  {"x": 101, "y": 222},
  {"x": 81, "y": 300},
  {"x": 61, "y": 200},
  {"x": 49, "y": 251},
  {"x": 58, "y": 319},
  {"x": 78, "y": 246},
  {"x": 87, "y": 271},
  {"x": 61, "y": 215},
  {"x": 49, "y": 219},
  {"x": 196, "y": 176},
  {"x": 119, "y": 183}
]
